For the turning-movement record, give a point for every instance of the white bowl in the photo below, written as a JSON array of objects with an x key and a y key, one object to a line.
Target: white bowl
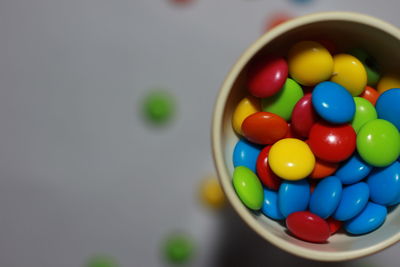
[{"x": 347, "y": 30}]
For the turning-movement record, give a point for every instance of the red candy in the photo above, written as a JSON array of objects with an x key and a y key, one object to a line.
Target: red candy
[
  {"x": 264, "y": 128},
  {"x": 323, "y": 169},
  {"x": 267, "y": 177},
  {"x": 304, "y": 116},
  {"x": 308, "y": 226},
  {"x": 267, "y": 76},
  {"x": 334, "y": 225},
  {"x": 370, "y": 94},
  {"x": 332, "y": 143}
]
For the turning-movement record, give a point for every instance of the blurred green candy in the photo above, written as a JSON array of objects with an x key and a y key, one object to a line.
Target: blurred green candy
[{"x": 158, "y": 107}]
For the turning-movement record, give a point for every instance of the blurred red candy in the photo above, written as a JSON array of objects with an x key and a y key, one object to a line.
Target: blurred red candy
[
  {"x": 308, "y": 226},
  {"x": 266, "y": 175},
  {"x": 277, "y": 19}
]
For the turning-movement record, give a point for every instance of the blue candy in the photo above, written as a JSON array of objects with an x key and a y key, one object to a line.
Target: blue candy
[
  {"x": 333, "y": 102},
  {"x": 293, "y": 196},
  {"x": 270, "y": 205},
  {"x": 388, "y": 106},
  {"x": 353, "y": 170},
  {"x": 246, "y": 154},
  {"x": 354, "y": 198},
  {"x": 368, "y": 220},
  {"x": 384, "y": 184},
  {"x": 326, "y": 196}
]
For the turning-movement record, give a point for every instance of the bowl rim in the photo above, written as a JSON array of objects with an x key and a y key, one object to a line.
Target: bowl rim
[{"x": 217, "y": 122}]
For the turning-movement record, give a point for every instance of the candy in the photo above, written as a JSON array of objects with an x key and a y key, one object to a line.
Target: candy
[
  {"x": 246, "y": 154},
  {"x": 178, "y": 248},
  {"x": 353, "y": 200},
  {"x": 349, "y": 72},
  {"x": 387, "y": 82},
  {"x": 293, "y": 196},
  {"x": 378, "y": 143},
  {"x": 248, "y": 187},
  {"x": 333, "y": 102},
  {"x": 353, "y": 170},
  {"x": 247, "y": 106},
  {"x": 254, "y": 128},
  {"x": 365, "y": 112},
  {"x": 310, "y": 63},
  {"x": 334, "y": 225},
  {"x": 266, "y": 76},
  {"x": 277, "y": 19},
  {"x": 308, "y": 226},
  {"x": 370, "y": 219},
  {"x": 270, "y": 205},
  {"x": 370, "y": 94},
  {"x": 388, "y": 106},
  {"x": 332, "y": 143},
  {"x": 211, "y": 193},
  {"x": 284, "y": 101},
  {"x": 369, "y": 63},
  {"x": 384, "y": 184},
  {"x": 323, "y": 169},
  {"x": 102, "y": 261},
  {"x": 291, "y": 159},
  {"x": 158, "y": 107},
  {"x": 303, "y": 116},
  {"x": 326, "y": 196},
  {"x": 266, "y": 175}
]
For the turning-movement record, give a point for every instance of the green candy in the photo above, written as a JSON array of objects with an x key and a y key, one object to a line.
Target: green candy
[
  {"x": 248, "y": 187},
  {"x": 178, "y": 248},
  {"x": 283, "y": 102},
  {"x": 365, "y": 112},
  {"x": 158, "y": 107},
  {"x": 102, "y": 261},
  {"x": 378, "y": 143},
  {"x": 370, "y": 65}
]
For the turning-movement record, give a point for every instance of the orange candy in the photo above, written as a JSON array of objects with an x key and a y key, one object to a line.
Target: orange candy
[
  {"x": 370, "y": 94},
  {"x": 323, "y": 169}
]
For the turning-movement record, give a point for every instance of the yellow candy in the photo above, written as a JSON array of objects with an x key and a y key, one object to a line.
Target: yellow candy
[
  {"x": 247, "y": 106},
  {"x": 310, "y": 63},
  {"x": 291, "y": 159},
  {"x": 350, "y": 73},
  {"x": 211, "y": 193},
  {"x": 387, "y": 82}
]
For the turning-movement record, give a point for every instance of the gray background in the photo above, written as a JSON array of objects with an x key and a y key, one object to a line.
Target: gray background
[{"x": 81, "y": 173}]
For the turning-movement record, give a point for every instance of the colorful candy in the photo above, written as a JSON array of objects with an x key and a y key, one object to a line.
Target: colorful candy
[
  {"x": 350, "y": 73},
  {"x": 248, "y": 187},
  {"x": 179, "y": 248},
  {"x": 326, "y": 196},
  {"x": 353, "y": 200},
  {"x": 293, "y": 196},
  {"x": 369, "y": 219},
  {"x": 246, "y": 154},
  {"x": 353, "y": 170},
  {"x": 283, "y": 102},
  {"x": 211, "y": 193},
  {"x": 384, "y": 184},
  {"x": 310, "y": 63},
  {"x": 270, "y": 205},
  {"x": 323, "y": 169},
  {"x": 378, "y": 143},
  {"x": 267, "y": 76},
  {"x": 264, "y": 172},
  {"x": 333, "y": 102},
  {"x": 388, "y": 106},
  {"x": 370, "y": 65},
  {"x": 308, "y": 227},
  {"x": 254, "y": 128},
  {"x": 247, "y": 106},
  {"x": 158, "y": 107},
  {"x": 304, "y": 116},
  {"x": 291, "y": 159},
  {"x": 365, "y": 112},
  {"x": 370, "y": 94}
]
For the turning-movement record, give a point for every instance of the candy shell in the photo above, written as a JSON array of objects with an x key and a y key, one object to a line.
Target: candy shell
[
  {"x": 334, "y": 225},
  {"x": 353, "y": 170},
  {"x": 304, "y": 116},
  {"x": 266, "y": 76},
  {"x": 370, "y": 94},
  {"x": 332, "y": 143},
  {"x": 326, "y": 196},
  {"x": 310, "y": 63},
  {"x": 370, "y": 219},
  {"x": 159, "y": 107},
  {"x": 264, "y": 172},
  {"x": 283, "y": 102},
  {"x": 179, "y": 248},
  {"x": 246, "y": 154},
  {"x": 353, "y": 200},
  {"x": 211, "y": 193},
  {"x": 387, "y": 82},
  {"x": 308, "y": 227},
  {"x": 365, "y": 112},
  {"x": 333, "y": 102},
  {"x": 323, "y": 169},
  {"x": 293, "y": 196},
  {"x": 247, "y": 106},
  {"x": 270, "y": 205},
  {"x": 291, "y": 159},
  {"x": 350, "y": 73},
  {"x": 370, "y": 65},
  {"x": 248, "y": 187},
  {"x": 378, "y": 143},
  {"x": 388, "y": 106},
  {"x": 384, "y": 184},
  {"x": 254, "y": 128}
]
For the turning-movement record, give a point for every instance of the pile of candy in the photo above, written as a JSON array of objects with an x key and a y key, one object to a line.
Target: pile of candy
[{"x": 319, "y": 144}]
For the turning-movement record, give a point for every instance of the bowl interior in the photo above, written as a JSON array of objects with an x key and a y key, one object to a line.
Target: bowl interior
[{"x": 346, "y": 30}]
